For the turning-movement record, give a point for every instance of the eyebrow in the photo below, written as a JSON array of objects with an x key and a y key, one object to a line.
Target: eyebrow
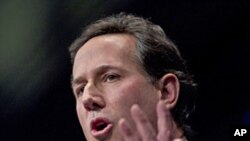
[
  {"x": 76, "y": 81},
  {"x": 97, "y": 71}
]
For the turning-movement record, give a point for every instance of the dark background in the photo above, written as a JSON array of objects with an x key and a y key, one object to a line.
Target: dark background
[{"x": 36, "y": 102}]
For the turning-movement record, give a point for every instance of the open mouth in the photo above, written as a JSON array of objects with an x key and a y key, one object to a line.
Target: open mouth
[{"x": 100, "y": 127}]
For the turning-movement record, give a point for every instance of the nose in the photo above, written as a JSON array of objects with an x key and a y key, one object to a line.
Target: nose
[{"x": 92, "y": 99}]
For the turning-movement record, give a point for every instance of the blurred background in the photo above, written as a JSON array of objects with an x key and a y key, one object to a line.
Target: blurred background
[{"x": 36, "y": 101}]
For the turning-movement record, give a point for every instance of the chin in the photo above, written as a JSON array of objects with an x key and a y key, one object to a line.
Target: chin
[{"x": 113, "y": 136}]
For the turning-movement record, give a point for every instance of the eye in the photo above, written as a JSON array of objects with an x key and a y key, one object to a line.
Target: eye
[
  {"x": 111, "y": 77},
  {"x": 80, "y": 91}
]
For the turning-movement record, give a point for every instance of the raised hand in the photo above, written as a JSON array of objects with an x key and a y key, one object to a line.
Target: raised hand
[{"x": 144, "y": 130}]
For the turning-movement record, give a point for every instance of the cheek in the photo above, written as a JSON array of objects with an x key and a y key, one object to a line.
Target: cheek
[
  {"x": 132, "y": 92},
  {"x": 81, "y": 114},
  {"x": 125, "y": 94}
]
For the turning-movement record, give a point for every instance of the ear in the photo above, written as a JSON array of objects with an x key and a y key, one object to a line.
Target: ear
[{"x": 170, "y": 88}]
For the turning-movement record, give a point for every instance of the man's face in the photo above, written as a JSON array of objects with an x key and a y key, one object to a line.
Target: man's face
[{"x": 107, "y": 81}]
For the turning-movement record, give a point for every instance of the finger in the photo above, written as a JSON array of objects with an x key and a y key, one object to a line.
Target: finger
[
  {"x": 143, "y": 125},
  {"x": 126, "y": 131},
  {"x": 164, "y": 123}
]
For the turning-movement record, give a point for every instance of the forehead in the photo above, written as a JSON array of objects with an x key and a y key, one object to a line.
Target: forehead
[
  {"x": 109, "y": 49},
  {"x": 114, "y": 43}
]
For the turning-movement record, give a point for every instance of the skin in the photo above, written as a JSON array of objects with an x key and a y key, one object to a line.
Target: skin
[{"x": 107, "y": 82}]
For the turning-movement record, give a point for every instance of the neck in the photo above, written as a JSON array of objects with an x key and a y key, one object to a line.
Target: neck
[{"x": 178, "y": 132}]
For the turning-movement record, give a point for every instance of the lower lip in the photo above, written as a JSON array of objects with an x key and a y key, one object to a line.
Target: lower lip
[{"x": 103, "y": 133}]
